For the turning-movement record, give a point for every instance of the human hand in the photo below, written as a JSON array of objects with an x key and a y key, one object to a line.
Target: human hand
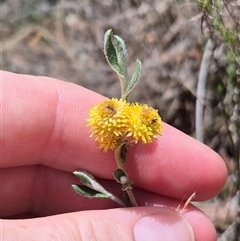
[{"x": 44, "y": 139}]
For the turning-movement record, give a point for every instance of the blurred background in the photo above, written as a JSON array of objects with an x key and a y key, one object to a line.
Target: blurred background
[{"x": 63, "y": 39}]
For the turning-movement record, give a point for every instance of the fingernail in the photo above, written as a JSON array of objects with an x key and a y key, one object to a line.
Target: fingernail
[{"x": 167, "y": 225}]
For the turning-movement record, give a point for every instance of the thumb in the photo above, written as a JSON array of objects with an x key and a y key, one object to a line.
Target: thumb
[{"x": 142, "y": 223}]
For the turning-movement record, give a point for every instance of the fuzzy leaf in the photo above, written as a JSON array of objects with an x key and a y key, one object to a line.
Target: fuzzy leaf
[
  {"x": 121, "y": 177},
  {"x": 118, "y": 174},
  {"x": 92, "y": 188},
  {"x": 88, "y": 192},
  {"x": 111, "y": 53},
  {"x": 120, "y": 153},
  {"x": 121, "y": 51},
  {"x": 89, "y": 181},
  {"x": 84, "y": 177},
  {"x": 135, "y": 78}
]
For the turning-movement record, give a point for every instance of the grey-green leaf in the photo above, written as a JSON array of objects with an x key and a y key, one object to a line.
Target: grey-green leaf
[
  {"x": 89, "y": 192},
  {"x": 135, "y": 78},
  {"x": 121, "y": 51},
  {"x": 118, "y": 174},
  {"x": 84, "y": 177},
  {"x": 92, "y": 188},
  {"x": 88, "y": 180},
  {"x": 110, "y": 53}
]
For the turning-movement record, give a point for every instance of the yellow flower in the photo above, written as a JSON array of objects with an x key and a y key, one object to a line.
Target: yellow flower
[
  {"x": 108, "y": 142},
  {"x": 107, "y": 122},
  {"x": 112, "y": 121},
  {"x": 143, "y": 123}
]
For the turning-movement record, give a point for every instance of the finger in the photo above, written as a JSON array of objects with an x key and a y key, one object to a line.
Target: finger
[
  {"x": 45, "y": 123},
  {"x": 145, "y": 223},
  {"x": 44, "y": 191}
]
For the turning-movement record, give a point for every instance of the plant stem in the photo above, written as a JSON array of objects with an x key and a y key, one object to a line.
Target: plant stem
[
  {"x": 132, "y": 197},
  {"x": 120, "y": 158},
  {"x": 118, "y": 200},
  {"x": 122, "y": 84}
]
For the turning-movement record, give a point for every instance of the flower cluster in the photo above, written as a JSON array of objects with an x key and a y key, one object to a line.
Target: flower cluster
[{"x": 113, "y": 120}]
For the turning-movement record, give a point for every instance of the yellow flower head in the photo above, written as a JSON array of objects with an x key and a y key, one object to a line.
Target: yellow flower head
[
  {"x": 143, "y": 123},
  {"x": 107, "y": 122},
  {"x": 114, "y": 120}
]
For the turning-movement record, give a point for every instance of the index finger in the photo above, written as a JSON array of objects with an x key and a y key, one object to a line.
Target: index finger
[{"x": 44, "y": 122}]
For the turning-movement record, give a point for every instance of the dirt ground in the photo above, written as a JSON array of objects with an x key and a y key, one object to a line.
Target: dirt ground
[{"x": 64, "y": 40}]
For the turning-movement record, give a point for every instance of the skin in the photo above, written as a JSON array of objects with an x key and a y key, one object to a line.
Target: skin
[{"x": 44, "y": 139}]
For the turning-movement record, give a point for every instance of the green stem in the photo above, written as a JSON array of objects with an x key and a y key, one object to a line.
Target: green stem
[
  {"x": 132, "y": 197},
  {"x": 120, "y": 158},
  {"x": 123, "y": 85}
]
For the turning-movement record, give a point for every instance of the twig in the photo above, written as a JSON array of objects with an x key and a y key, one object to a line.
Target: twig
[
  {"x": 230, "y": 233},
  {"x": 203, "y": 72}
]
